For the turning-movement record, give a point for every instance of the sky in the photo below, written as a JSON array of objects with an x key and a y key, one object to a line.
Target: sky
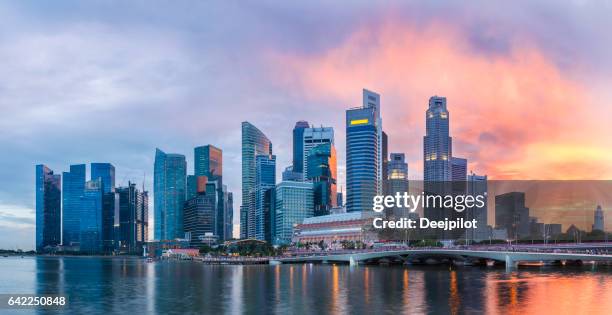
[{"x": 527, "y": 82}]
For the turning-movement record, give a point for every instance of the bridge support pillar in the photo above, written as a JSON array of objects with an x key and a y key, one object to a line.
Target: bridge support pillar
[
  {"x": 511, "y": 263},
  {"x": 353, "y": 262}
]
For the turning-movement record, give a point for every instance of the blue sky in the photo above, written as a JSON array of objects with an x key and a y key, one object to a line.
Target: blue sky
[{"x": 109, "y": 81}]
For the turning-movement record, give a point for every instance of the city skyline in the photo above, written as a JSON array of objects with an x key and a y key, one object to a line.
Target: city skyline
[{"x": 120, "y": 105}]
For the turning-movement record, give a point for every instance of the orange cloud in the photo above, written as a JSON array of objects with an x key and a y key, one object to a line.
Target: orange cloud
[{"x": 513, "y": 114}]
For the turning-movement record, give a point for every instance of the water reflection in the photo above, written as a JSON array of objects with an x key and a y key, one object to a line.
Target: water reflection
[{"x": 120, "y": 286}]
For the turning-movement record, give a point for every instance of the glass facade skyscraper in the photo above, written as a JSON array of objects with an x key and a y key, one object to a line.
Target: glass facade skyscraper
[
  {"x": 437, "y": 143},
  {"x": 254, "y": 143},
  {"x": 294, "y": 203},
  {"x": 208, "y": 161},
  {"x": 458, "y": 169},
  {"x": 73, "y": 189},
  {"x": 48, "y": 208},
  {"x": 90, "y": 224},
  {"x": 363, "y": 153},
  {"x": 313, "y": 137},
  {"x": 298, "y": 145},
  {"x": 106, "y": 173},
  {"x": 397, "y": 180},
  {"x": 322, "y": 171},
  {"x": 169, "y": 184},
  {"x": 265, "y": 183},
  {"x": 133, "y": 225}
]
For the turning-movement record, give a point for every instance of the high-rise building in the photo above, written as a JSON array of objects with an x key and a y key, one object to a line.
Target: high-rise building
[
  {"x": 313, "y": 137},
  {"x": 458, "y": 169},
  {"x": 200, "y": 214},
  {"x": 191, "y": 187},
  {"x": 208, "y": 161},
  {"x": 385, "y": 162},
  {"x": 48, "y": 208},
  {"x": 512, "y": 214},
  {"x": 132, "y": 222},
  {"x": 290, "y": 175},
  {"x": 254, "y": 143},
  {"x": 598, "y": 219},
  {"x": 265, "y": 183},
  {"x": 90, "y": 218},
  {"x": 363, "y": 153},
  {"x": 73, "y": 188},
  {"x": 298, "y": 145},
  {"x": 437, "y": 143},
  {"x": 106, "y": 173},
  {"x": 339, "y": 201},
  {"x": 294, "y": 203},
  {"x": 169, "y": 188},
  {"x": 322, "y": 171},
  {"x": 397, "y": 181},
  {"x": 228, "y": 215},
  {"x": 477, "y": 185}
]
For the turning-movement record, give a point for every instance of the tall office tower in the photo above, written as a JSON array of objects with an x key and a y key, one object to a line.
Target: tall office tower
[
  {"x": 48, "y": 208},
  {"x": 90, "y": 223},
  {"x": 208, "y": 161},
  {"x": 254, "y": 143},
  {"x": 385, "y": 162},
  {"x": 477, "y": 185},
  {"x": 200, "y": 213},
  {"x": 169, "y": 189},
  {"x": 458, "y": 169},
  {"x": 363, "y": 153},
  {"x": 314, "y": 137},
  {"x": 106, "y": 173},
  {"x": 339, "y": 201},
  {"x": 599, "y": 219},
  {"x": 437, "y": 143},
  {"x": 132, "y": 219},
  {"x": 298, "y": 145},
  {"x": 512, "y": 215},
  {"x": 397, "y": 181},
  {"x": 322, "y": 171},
  {"x": 265, "y": 183},
  {"x": 192, "y": 189},
  {"x": 294, "y": 203},
  {"x": 228, "y": 215},
  {"x": 73, "y": 188}
]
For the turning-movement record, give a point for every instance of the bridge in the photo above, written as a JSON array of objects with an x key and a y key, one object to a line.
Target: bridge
[{"x": 510, "y": 258}]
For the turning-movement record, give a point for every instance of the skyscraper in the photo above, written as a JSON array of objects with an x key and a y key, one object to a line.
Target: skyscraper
[
  {"x": 598, "y": 219},
  {"x": 477, "y": 185},
  {"x": 322, "y": 171},
  {"x": 294, "y": 203},
  {"x": 106, "y": 173},
  {"x": 298, "y": 145},
  {"x": 437, "y": 143},
  {"x": 48, "y": 208},
  {"x": 265, "y": 183},
  {"x": 133, "y": 219},
  {"x": 169, "y": 185},
  {"x": 385, "y": 161},
  {"x": 200, "y": 214},
  {"x": 313, "y": 137},
  {"x": 512, "y": 214},
  {"x": 208, "y": 161},
  {"x": 90, "y": 218},
  {"x": 363, "y": 153},
  {"x": 73, "y": 189},
  {"x": 254, "y": 143},
  {"x": 397, "y": 181},
  {"x": 458, "y": 169}
]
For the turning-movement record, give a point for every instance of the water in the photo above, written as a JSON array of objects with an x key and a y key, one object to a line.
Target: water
[{"x": 132, "y": 286}]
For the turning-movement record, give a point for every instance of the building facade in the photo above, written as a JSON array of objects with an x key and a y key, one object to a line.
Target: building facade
[
  {"x": 73, "y": 189},
  {"x": 294, "y": 203},
  {"x": 90, "y": 220},
  {"x": 512, "y": 214},
  {"x": 48, "y": 208},
  {"x": 437, "y": 143},
  {"x": 363, "y": 153},
  {"x": 397, "y": 180},
  {"x": 132, "y": 222},
  {"x": 169, "y": 185},
  {"x": 598, "y": 220},
  {"x": 298, "y": 145},
  {"x": 265, "y": 183},
  {"x": 477, "y": 185},
  {"x": 106, "y": 173},
  {"x": 200, "y": 216},
  {"x": 314, "y": 137},
  {"x": 254, "y": 143},
  {"x": 322, "y": 172}
]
